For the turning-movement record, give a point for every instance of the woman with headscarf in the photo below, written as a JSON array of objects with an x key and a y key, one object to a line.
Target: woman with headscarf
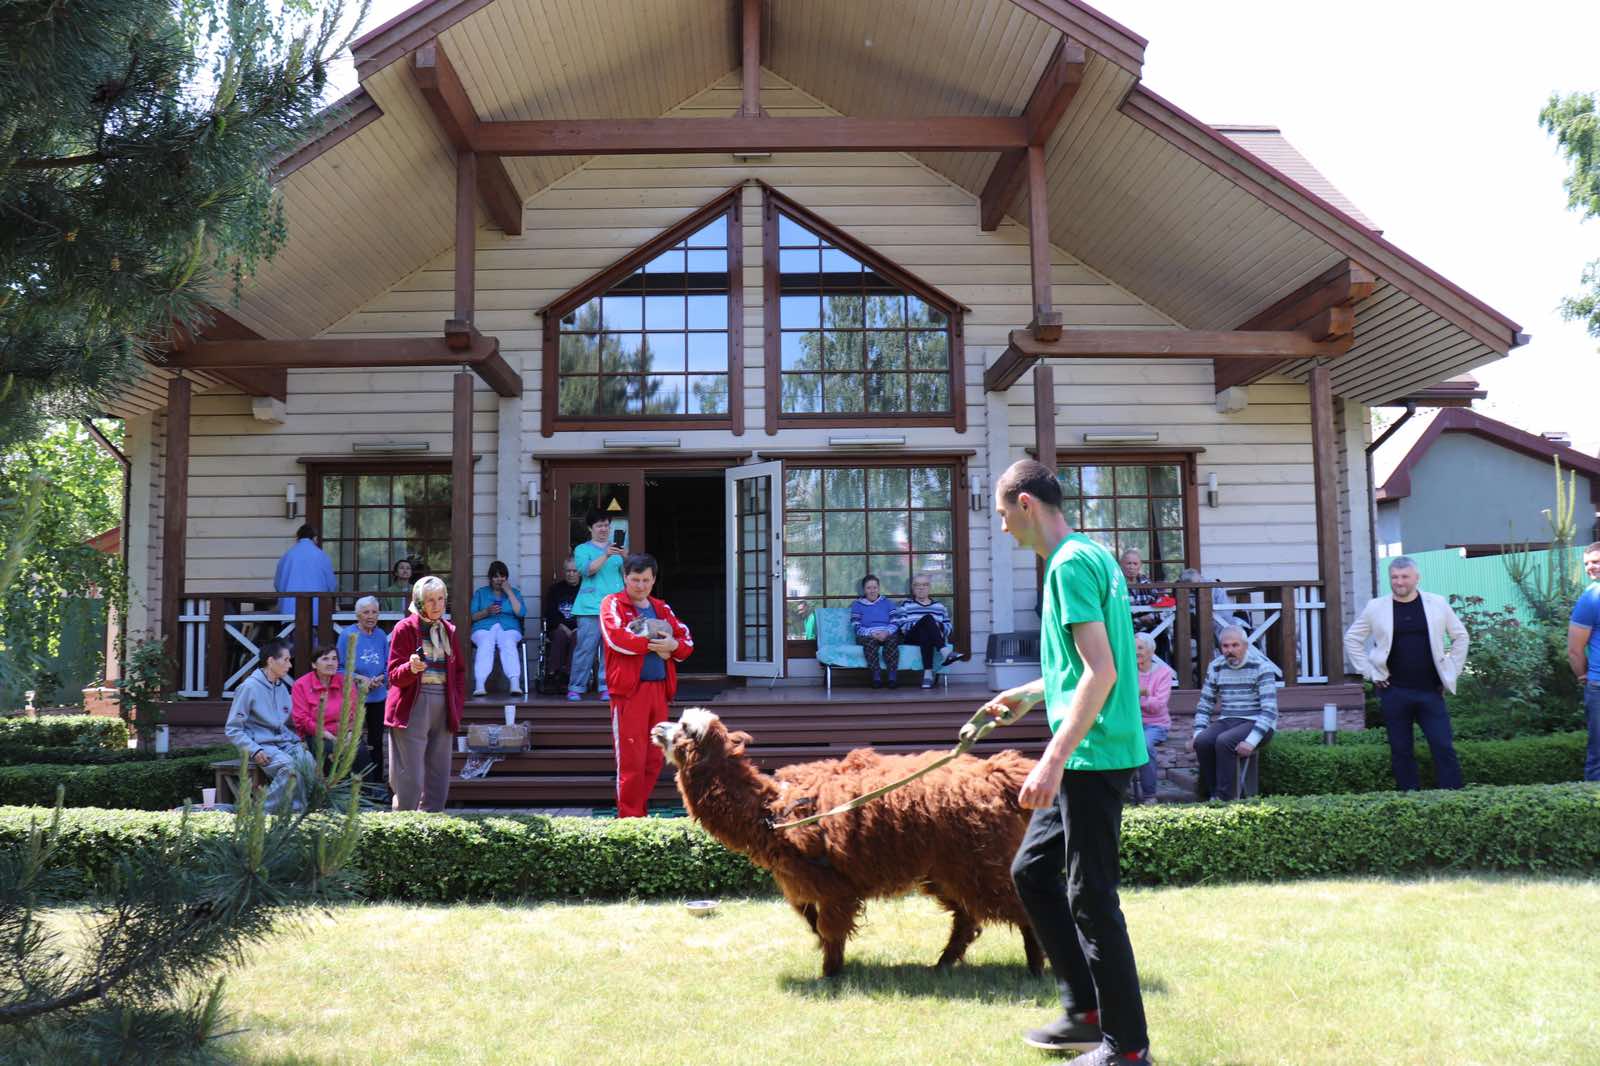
[{"x": 427, "y": 692}]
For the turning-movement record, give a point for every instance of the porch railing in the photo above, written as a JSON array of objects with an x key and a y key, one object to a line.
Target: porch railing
[
  {"x": 221, "y": 633},
  {"x": 1291, "y": 638}
]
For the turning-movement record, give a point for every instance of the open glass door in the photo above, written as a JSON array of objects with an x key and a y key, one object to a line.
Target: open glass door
[{"x": 755, "y": 570}]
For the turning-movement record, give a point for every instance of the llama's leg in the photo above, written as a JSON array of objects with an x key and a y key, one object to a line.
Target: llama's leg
[
  {"x": 808, "y": 911},
  {"x": 836, "y": 920},
  {"x": 1031, "y": 949},
  {"x": 964, "y": 929}
]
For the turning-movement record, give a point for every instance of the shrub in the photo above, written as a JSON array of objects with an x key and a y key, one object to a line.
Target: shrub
[
  {"x": 441, "y": 858},
  {"x": 1517, "y": 681},
  {"x": 150, "y": 785},
  {"x": 21, "y": 754},
  {"x": 65, "y": 730},
  {"x": 1299, "y": 764}
]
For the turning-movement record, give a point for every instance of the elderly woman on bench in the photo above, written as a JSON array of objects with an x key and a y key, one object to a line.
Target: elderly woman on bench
[{"x": 872, "y": 619}]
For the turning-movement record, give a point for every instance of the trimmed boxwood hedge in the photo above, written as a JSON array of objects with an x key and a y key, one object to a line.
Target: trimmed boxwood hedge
[
  {"x": 442, "y": 858},
  {"x": 1299, "y": 764},
  {"x": 144, "y": 784},
  {"x": 65, "y": 730}
]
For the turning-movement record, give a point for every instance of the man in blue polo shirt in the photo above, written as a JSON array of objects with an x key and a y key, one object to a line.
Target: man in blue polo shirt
[{"x": 1583, "y": 652}]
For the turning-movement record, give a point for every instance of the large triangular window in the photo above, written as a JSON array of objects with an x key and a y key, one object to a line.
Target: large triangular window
[
  {"x": 652, "y": 339},
  {"x": 858, "y": 339}
]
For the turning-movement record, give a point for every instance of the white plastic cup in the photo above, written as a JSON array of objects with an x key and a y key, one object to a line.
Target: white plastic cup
[
  {"x": 511, "y": 714},
  {"x": 461, "y": 743},
  {"x": 208, "y": 796}
]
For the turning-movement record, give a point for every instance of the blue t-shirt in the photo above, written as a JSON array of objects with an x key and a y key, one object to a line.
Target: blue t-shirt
[
  {"x": 654, "y": 667},
  {"x": 507, "y": 618},
  {"x": 372, "y": 659},
  {"x": 1586, "y": 612}
]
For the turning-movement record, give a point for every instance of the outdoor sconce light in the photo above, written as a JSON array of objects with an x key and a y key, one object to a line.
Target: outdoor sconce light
[
  {"x": 533, "y": 498},
  {"x": 1121, "y": 436},
  {"x": 1213, "y": 497},
  {"x": 885, "y": 441},
  {"x": 975, "y": 484},
  {"x": 291, "y": 503}
]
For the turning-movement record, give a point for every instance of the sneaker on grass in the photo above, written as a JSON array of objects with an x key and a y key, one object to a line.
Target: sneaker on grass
[
  {"x": 1104, "y": 1056},
  {"x": 1070, "y": 1032}
]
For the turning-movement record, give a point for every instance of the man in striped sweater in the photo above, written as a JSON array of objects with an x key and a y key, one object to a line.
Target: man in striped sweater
[{"x": 1241, "y": 690}]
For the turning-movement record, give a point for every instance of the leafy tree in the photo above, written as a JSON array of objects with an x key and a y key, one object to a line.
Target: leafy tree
[
  {"x": 1575, "y": 122},
  {"x": 136, "y": 141},
  {"x": 55, "y": 493}
]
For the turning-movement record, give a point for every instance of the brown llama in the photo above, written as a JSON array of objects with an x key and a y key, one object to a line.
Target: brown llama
[{"x": 950, "y": 834}]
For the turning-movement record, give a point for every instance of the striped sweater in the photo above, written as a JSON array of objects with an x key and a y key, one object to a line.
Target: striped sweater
[
  {"x": 1249, "y": 690},
  {"x": 910, "y": 612}
]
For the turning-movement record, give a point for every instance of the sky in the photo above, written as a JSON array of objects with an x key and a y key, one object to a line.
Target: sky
[{"x": 1425, "y": 113}]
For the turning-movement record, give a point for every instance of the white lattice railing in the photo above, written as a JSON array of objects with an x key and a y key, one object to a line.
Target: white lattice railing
[{"x": 1259, "y": 610}]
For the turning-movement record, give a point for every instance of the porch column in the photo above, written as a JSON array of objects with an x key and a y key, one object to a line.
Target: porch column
[
  {"x": 175, "y": 512},
  {"x": 461, "y": 516},
  {"x": 1044, "y": 413},
  {"x": 1325, "y": 473},
  {"x": 1046, "y": 324}
]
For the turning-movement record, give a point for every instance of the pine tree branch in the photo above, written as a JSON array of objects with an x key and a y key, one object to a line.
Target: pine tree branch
[{"x": 63, "y": 162}]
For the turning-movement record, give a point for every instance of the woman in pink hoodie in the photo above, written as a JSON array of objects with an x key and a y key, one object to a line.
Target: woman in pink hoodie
[{"x": 1155, "y": 691}]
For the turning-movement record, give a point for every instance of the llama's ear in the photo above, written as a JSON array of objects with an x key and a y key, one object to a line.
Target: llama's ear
[{"x": 737, "y": 742}]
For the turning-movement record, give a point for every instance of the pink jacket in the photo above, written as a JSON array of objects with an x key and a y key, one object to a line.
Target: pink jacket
[
  {"x": 1157, "y": 682},
  {"x": 303, "y": 699}
]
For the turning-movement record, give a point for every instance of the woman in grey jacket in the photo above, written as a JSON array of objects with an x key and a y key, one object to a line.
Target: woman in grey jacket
[{"x": 258, "y": 723}]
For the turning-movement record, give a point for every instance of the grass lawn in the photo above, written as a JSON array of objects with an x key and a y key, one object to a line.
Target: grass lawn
[{"x": 1446, "y": 971}]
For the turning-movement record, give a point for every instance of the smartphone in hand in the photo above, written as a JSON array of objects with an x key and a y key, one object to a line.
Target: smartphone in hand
[{"x": 619, "y": 537}]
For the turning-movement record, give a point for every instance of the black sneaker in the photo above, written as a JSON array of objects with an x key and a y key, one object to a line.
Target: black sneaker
[
  {"x": 956, "y": 657},
  {"x": 1104, "y": 1056},
  {"x": 1067, "y": 1033}
]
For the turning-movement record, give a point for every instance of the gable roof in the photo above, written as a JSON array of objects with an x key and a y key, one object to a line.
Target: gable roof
[
  {"x": 1222, "y": 231},
  {"x": 1463, "y": 420}
]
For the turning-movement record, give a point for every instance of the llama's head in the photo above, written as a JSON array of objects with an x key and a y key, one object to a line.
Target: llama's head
[{"x": 698, "y": 737}]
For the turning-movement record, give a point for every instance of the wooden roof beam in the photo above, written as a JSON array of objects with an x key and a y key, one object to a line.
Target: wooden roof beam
[
  {"x": 327, "y": 353},
  {"x": 645, "y": 136},
  {"x": 1051, "y": 97},
  {"x": 1325, "y": 305},
  {"x": 1221, "y": 345},
  {"x": 441, "y": 87},
  {"x": 750, "y": 57}
]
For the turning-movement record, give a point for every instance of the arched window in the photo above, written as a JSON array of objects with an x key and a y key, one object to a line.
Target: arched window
[
  {"x": 858, "y": 340},
  {"x": 653, "y": 339}
]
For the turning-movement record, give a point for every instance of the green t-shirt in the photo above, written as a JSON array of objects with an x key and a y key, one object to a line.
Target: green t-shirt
[{"x": 1083, "y": 583}]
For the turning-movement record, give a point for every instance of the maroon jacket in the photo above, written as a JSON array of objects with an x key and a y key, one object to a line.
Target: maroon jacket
[
  {"x": 625, "y": 651},
  {"x": 405, "y": 639}
]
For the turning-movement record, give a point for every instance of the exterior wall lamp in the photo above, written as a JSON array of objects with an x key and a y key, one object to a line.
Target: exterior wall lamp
[
  {"x": 1213, "y": 497},
  {"x": 975, "y": 488},
  {"x": 533, "y": 498},
  {"x": 291, "y": 503}
]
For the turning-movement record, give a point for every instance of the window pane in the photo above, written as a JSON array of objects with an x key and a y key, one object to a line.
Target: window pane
[
  {"x": 669, "y": 262},
  {"x": 1132, "y": 481},
  {"x": 886, "y": 311},
  {"x": 886, "y": 393},
  {"x": 929, "y": 351},
  {"x": 1073, "y": 510},
  {"x": 1098, "y": 514},
  {"x": 585, "y": 317},
  {"x": 921, "y": 313},
  {"x": 886, "y": 351},
  {"x": 708, "y": 312},
  {"x": 802, "y": 394},
  {"x": 843, "y": 574},
  {"x": 623, "y": 312},
  {"x": 1068, "y": 476},
  {"x": 1171, "y": 543},
  {"x": 580, "y": 353},
  {"x": 802, "y": 530},
  {"x": 930, "y": 486},
  {"x": 373, "y": 488},
  {"x": 713, "y": 234},
  {"x": 1103, "y": 537},
  {"x": 845, "y": 487},
  {"x": 805, "y": 262},
  {"x": 332, "y": 526},
  {"x": 708, "y": 394},
  {"x": 842, "y": 351},
  {"x": 841, "y": 393},
  {"x": 1139, "y": 542},
  {"x": 409, "y": 488},
  {"x": 707, "y": 269},
  {"x": 800, "y": 351},
  {"x": 930, "y": 531},
  {"x": 844, "y": 531},
  {"x": 1133, "y": 514},
  {"x": 791, "y": 232},
  {"x": 803, "y": 575},
  {"x": 1096, "y": 480},
  {"x": 617, "y": 396},
  {"x": 800, "y": 312},
  {"x": 332, "y": 491},
  {"x": 930, "y": 392},
  {"x": 577, "y": 396},
  {"x": 619, "y": 353},
  {"x": 894, "y": 574},
  {"x": 888, "y": 486},
  {"x": 664, "y": 352},
  {"x": 802, "y": 489},
  {"x": 1169, "y": 513},
  {"x": 370, "y": 555},
  {"x": 798, "y": 619},
  {"x": 939, "y": 567},
  {"x": 663, "y": 312},
  {"x": 842, "y": 311},
  {"x": 888, "y": 531},
  {"x": 1165, "y": 481},
  {"x": 841, "y": 266},
  {"x": 663, "y": 395}
]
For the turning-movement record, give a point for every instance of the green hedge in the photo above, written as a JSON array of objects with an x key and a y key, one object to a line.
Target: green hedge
[
  {"x": 22, "y": 754},
  {"x": 146, "y": 784},
  {"x": 442, "y": 858},
  {"x": 1299, "y": 764},
  {"x": 65, "y": 730}
]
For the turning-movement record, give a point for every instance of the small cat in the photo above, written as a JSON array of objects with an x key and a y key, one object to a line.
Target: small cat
[{"x": 654, "y": 628}]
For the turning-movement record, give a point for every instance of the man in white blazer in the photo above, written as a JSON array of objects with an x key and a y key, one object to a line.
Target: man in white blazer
[{"x": 1398, "y": 644}]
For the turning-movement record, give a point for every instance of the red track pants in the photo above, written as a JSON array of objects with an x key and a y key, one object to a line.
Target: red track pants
[{"x": 638, "y": 759}]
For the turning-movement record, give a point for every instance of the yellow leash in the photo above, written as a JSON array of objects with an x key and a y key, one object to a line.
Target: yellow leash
[{"x": 977, "y": 727}]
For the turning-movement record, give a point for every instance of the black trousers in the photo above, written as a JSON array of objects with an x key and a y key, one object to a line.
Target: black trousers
[
  {"x": 928, "y": 637},
  {"x": 375, "y": 745},
  {"x": 1403, "y": 707},
  {"x": 1219, "y": 763},
  {"x": 1067, "y": 871}
]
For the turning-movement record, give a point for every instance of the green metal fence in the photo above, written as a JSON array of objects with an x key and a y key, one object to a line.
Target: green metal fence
[{"x": 1447, "y": 572}]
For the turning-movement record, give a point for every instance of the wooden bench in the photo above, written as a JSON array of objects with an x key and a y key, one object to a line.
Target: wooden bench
[{"x": 226, "y": 773}]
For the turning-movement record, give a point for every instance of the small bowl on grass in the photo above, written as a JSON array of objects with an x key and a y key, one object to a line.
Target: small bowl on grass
[{"x": 702, "y": 908}]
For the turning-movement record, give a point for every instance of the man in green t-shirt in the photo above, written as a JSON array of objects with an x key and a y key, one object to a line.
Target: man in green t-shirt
[{"x": 1068, "y": 865}]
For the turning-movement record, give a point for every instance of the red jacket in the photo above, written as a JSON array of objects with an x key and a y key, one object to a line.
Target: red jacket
[
  {"x": 625, "y": 651},
  {"x": 403, "y": 640},
  {"x": 303, "y": 698}
]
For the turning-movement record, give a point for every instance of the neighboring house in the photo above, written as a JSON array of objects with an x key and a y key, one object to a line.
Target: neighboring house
[
  {"x": 1472, "y": 482},
  {"x": 791, "y": 319}
]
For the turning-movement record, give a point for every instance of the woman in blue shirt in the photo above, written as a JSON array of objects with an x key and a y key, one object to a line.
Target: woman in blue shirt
[
  {"x": 600, "y": 572},
  {"x": 371, "y": 667},
  {"x": 872, "y": 618},
  {"x": 497, "y": 613}
]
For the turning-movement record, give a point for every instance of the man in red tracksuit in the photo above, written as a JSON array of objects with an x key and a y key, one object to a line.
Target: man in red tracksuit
[{"x": 642, "y": 675}]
